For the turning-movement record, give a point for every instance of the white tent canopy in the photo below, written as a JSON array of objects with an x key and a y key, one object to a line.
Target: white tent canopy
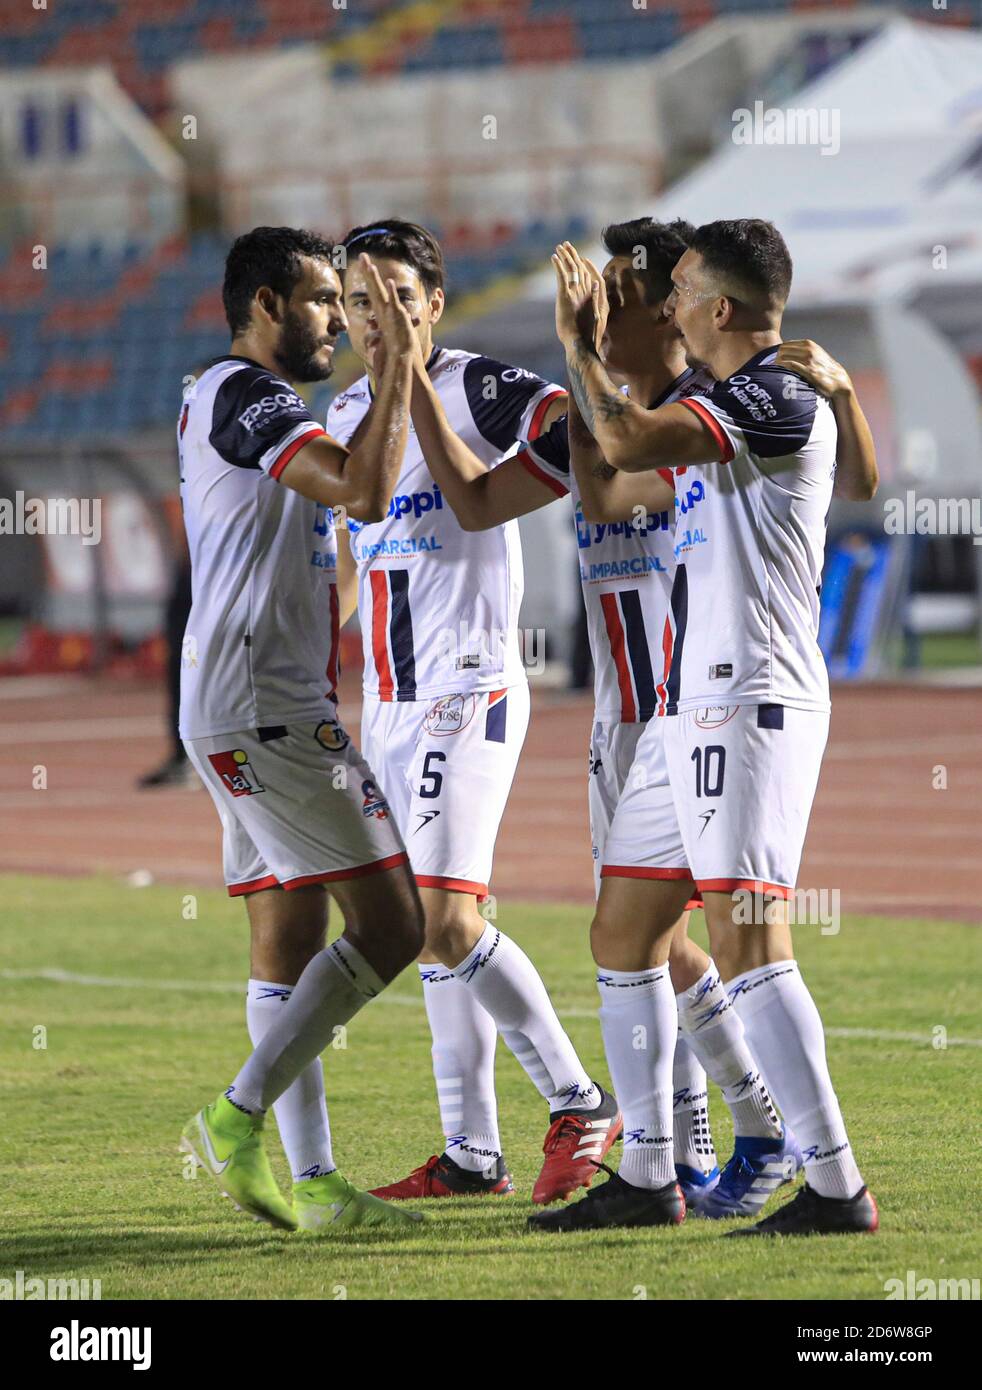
[{"x": 865, "y": 222}]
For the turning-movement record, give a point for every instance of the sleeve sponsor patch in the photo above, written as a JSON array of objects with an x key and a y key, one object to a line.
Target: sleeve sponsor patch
[
  {"x": 255, "y": 413},
  {"x": 503, "y": 400},
  {"x": 773, "y": 410}
]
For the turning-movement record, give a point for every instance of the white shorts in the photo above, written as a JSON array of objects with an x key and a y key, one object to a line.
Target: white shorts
[
  {"x": 644, "y": 840},
  {"x": 733, "y": 810},
  {"x": 613, "y": 747},
  {"x": 298, "y": 805},
  {"x": 447, "y": 767}
]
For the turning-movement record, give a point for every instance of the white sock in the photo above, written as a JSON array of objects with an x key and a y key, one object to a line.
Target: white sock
[
  {"x": 639, "y": 1022},
  {"x": 301, "y": 1111},
  {"x": 785, "y": 1032},
  {"x": 502, "y": 978},
  {"x": 334, "y": 986},
  {"x": 693, "y": 1137},
  {"x": 714, "y": 1032},
  {"x": 464, "y": 1040}
]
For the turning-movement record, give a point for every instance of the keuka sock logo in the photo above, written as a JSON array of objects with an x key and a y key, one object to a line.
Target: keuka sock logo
[{"x": 78, "y": 1343}]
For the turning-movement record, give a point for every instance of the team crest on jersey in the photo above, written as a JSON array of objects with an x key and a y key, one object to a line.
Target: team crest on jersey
[
  {"x": 330, "y": 735},
  {"x": 374, "y": 803},
  {"x": 712, "y": 716},
  {"x": 449, "y": 715},
  {"x": 236, "y": 772}
]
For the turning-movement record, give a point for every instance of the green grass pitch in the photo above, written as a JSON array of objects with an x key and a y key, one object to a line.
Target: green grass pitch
[{"x": 94, "y": 1186}]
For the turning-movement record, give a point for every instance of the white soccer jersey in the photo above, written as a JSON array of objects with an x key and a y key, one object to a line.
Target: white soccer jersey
[
  {"x": 438, "y": 605},
  {"x": 627, "y": 572},
  {"x": 746, "y": 603},
  {"x": 261, "y": 642}
]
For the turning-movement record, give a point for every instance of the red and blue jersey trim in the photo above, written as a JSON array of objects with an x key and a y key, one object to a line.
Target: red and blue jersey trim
[
  {"x": 393, "y": 645},
  {"x": 624, "y": 620}
]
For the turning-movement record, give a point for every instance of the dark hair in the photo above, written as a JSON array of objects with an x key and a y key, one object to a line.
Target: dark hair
[
  {"x": 664, "y": 244},
  {"x": 266, "y": 256},
  {"x": 394, "y": 240},
  {"x": 749, "y": 254}
]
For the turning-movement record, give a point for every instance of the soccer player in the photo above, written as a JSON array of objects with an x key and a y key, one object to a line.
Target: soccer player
[
  {"x": 748, "y": 713},
  {"x": 301, "y": 811},
  {"x": 627, "y": 563},
  {"x": 445, "y": 712}
]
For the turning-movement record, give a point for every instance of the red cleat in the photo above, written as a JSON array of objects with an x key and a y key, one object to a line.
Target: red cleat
[
  {"x": 576, "y": 1143},
  {"x": 440, "y": 1176}
]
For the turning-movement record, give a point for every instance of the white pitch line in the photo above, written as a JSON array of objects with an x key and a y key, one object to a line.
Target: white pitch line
[{"x": 54, "y": 975}]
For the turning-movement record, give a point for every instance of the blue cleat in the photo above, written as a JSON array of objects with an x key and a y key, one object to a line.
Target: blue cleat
[
  {"x": 695, "y": 1184},
  {"x": 757, "y": 1169}
]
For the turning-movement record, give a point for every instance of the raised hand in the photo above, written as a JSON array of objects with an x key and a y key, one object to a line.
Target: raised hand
[
  {"x": 397, "y": 338},
  {"x": 581, "y": 297}
]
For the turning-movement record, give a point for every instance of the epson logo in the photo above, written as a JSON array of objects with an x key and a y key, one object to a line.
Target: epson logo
[{"x": 270, "y": 405}]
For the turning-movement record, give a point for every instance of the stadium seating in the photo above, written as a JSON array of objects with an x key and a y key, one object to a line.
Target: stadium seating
[
  {"x": 103, "y": 338},
  {"x": 141, "y": 38}
]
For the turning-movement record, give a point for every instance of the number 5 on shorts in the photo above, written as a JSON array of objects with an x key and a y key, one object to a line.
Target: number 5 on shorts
[{"x": 435, "y": 779}]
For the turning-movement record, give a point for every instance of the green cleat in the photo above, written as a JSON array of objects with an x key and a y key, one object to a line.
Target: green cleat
[
  {"x": 228, "y": 1144},
  {"x": 326, "y": 1203}
]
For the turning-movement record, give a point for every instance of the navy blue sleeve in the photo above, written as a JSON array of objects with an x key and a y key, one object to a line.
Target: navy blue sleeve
[
  {"x": 773, "y": 409},
  {"x": 548, "y": 457},
  {"x": 501, "y": 400},
  {"x": 257, "y": 418}
]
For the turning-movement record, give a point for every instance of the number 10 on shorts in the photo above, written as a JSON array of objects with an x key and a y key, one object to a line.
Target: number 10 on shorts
[{"x": 710, "y": 767}]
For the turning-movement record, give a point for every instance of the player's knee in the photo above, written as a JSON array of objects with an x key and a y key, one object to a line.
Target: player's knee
[
  {"x": 452, "y": 933},
  {"x": 604, "y": 931}
]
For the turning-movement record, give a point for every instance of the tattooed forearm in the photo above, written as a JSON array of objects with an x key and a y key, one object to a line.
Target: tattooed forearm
[
  {"x": 576, "y": 356},
  {"x": 611, "y": 406}
]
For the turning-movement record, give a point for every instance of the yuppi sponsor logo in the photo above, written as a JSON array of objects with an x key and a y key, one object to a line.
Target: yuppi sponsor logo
[{"x": 416, "y": 502}]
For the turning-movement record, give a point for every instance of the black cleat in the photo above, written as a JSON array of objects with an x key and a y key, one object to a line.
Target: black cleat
[
  {"x": 615, "y": 1203},
  {"x": 809, "y": 1214}
]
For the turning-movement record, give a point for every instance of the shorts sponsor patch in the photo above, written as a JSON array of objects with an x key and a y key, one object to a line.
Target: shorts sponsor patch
[
  {"x": 331, "y": 735},
  {"x": 449, "y": 715},
  {"x": 236, "y": 772},
  {"x": 712, "y": 716},
  {"x": 374, "y": 803}
]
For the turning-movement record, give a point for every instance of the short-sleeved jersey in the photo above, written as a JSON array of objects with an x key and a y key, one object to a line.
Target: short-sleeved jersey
[
  {"x": 746, "y": 603},
  {"x": 627, "y": 569},
  {"x": 438, "y": 605},
  {"x": 261, "y": 642}
]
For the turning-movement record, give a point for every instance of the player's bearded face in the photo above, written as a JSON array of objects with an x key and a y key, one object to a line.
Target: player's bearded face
[{"x": 298, "y": 350}]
